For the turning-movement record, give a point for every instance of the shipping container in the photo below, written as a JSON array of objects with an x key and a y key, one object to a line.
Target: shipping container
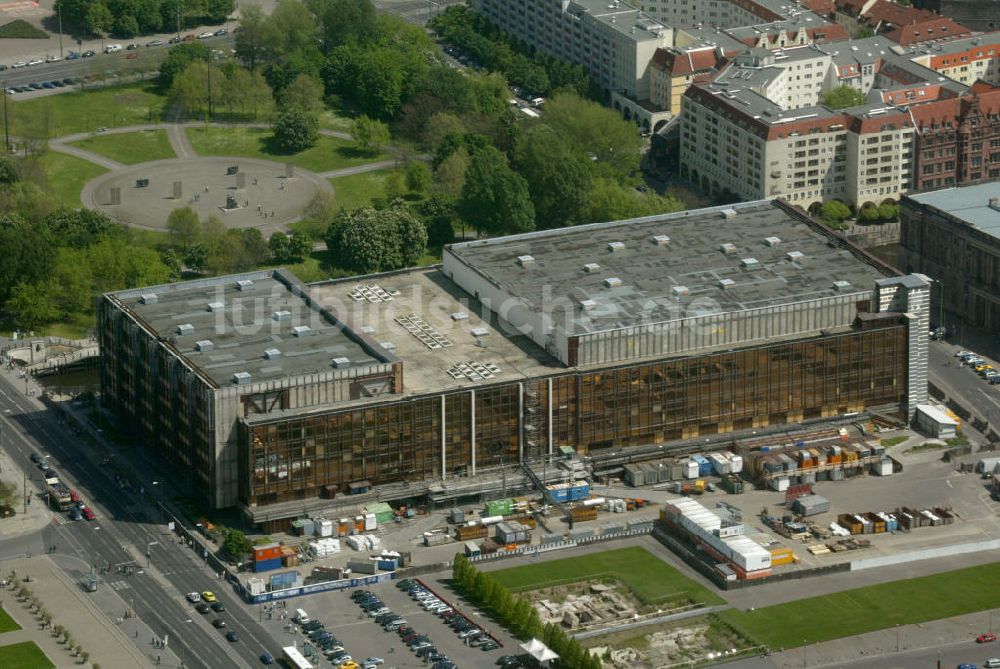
[
  {"x": 472, "y": 550},
  {"x": 782, "y": 556},
  {"x": 582, "y": 513},
  {"x": 267, "y": 565},
  {"x": 267, "y": 552},
  {"x": 704, "y": 464},
  {"x": 735, "y": 463},
  {"x": 499, "y": 507},
  {"x": 473, "y": 531},
  {"x": 362, "y": 566},
  {"x": 691, "y": 469},
  {"x": 634, "y": 476},
  {"x": 672, "y": 472},
  {"x": 779, "y": 484},
  {"x": 580, "y": 490},
  {"x": 720, "y": 463}
]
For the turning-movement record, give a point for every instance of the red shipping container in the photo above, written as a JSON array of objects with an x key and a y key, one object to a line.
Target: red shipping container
[{"x": 268, "y": 552}]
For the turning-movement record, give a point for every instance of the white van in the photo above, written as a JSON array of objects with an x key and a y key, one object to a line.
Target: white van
[
  {"x": 301, "y": 617},
  {"x": 112, "y": 48},
  {"x": 992, "y": 662}
]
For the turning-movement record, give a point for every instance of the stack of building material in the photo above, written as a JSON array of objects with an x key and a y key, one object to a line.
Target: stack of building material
[
  {"x": 363, "y": 542},
  {"x": 324, "y": 547}
]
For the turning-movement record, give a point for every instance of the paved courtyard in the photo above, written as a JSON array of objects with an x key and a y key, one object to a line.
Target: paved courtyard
[{"x": 268, "y": 198}]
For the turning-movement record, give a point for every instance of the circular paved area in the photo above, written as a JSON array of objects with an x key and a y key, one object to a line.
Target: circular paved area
[{"x": 205, "y": 185}]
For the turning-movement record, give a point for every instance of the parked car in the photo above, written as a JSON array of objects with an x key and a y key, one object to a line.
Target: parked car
[
  {"x": 266, "y": 658},
  {"x": 88, "y": 54},
  {"x": 986, "y": 637},
  {"x": 220, "y": 32},
  {"x": 72, "y": 55},
  {"x": 112, "y": 48},
  {"x": 35, "y": 61},
  {"x": 206, "y": 35},
  {"x": 132, "y": 46},
  {"x": 48, "y": 85},
  {"x": 74, "y": 514},
  {"x": 88, "y": 514},
  {"x": 155, "y": 42}
]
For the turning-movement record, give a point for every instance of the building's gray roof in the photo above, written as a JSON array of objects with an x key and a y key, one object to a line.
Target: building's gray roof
[
  {"x": 649, "y": 273},
  {"x": 622, "y": 18},
  {"x": 969, "y": 204},
  {"x": 697, "y": 37},
  {"x": 244, "y": 328}
]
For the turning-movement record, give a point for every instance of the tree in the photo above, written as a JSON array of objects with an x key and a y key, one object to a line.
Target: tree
[
  {"x": 596, "y": 132},
  {"x": 369, "y": 135},
  {"x": 300, "y": 245},
  {"x": 172, "y": 260},
  {"x": 370, "y": 240},
  {"x": 184, "y": 226},
  {"x": 80, "y": 227},
  {"x": 495, "y": 200},
  {"x": 296, "y": 130},
  {"x": 449, "y": 177},
  {"x": 558, "y": 176},
  {"x": 843, "y": 97},
  {"x": 305, "y": 92},
  {"x": 236, "y": 544},
  {"x": 440, "y": 126},
  {"x": 31, "y": 305},
  {"x": 99, "y": 19},
  {"x": 412, "y": 236},
  {"x": 27, "y": 255},
  {"x": 834, "y": 212},
  {"x": 418, "y": 177},
  {"x": 888, "y": 212},
  {"x": 250, "y": 39},
  {"x": 609, "y": 200},
  {"x": 378, "y": 82},
  {"x": 278, "y": 243},
  {"x": 9, "y": 170},
  {"x": 196, "y": 257},
  {"x": 343, "y": 21},
  {"x": 869, "y": 215},
  {"x": 438, "y": 213},
  {"x": 178, "y": 59}
]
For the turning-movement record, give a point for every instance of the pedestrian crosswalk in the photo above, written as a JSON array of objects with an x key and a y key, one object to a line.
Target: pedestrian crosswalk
[{"x": 119, "y": 585}]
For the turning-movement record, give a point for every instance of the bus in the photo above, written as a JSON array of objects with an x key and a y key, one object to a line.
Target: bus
[{"x": 295, "y": 659}]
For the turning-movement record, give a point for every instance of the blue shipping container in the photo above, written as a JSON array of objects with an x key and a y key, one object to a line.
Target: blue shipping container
[
  {"x": 559, "y": 495},
  {"x": 267, "y": 565},
  {"x": 387, "y": 565},
  {"x": 284, "y": 580},
  {"x": 580, "y": 491},
  {"x": 704, "y": 464}
]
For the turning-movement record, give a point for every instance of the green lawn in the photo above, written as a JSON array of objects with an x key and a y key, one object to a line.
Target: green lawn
[
  {"x": 649, "y": 578},
  {"x": 358, "y": 190},
  {"x": 130, "y": 148},
  {"x": 67, "y": 175},
  {"x": 85, "y": 111},
  {"x": 329, "y": 153},
  {"x": 24, "y": 656},
  {"x": 876, "y": 607},
  {"x": 7, "y": 623}
]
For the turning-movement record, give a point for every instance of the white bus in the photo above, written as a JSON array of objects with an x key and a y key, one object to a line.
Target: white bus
[{"x": 295, "y": 659}]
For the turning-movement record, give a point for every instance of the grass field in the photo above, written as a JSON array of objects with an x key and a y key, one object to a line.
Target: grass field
[
  {"x": 7, "y": 623},
  {"x": 876, "y": 607},
  {"x": 24, "y": 656},
  {"x": 650, "y": 579},
  {"x": 330, "y": 153},
  {"x": 358, "y": 190},
  {"x": 130, "y": 148},
  {"x": 67, "y": 175},
  {"x": 85, "y": 111}
]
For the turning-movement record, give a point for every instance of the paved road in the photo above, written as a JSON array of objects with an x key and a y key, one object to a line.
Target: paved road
[
  {"x": 125, "y": 521},
  {"x": 950, "y": 655},
  {"x": 950, "y": 375}
]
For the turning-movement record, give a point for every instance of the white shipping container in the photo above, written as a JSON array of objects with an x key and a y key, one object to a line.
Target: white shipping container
[
  {"x": 690, "y": 469},
  {"x": 720, "y": 463},
  {"x": 736, "y": 463},
  {"x": 779, "y": 484},
  {"x": 325, "y": 528},
  {"x": 370, "y": 522}
]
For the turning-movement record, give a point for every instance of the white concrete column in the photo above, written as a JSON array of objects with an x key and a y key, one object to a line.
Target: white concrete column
[{"x": 548, "y": 423}]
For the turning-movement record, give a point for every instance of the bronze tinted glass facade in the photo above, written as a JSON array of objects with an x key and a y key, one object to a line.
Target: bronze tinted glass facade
[{"x": 656, "y": 402}]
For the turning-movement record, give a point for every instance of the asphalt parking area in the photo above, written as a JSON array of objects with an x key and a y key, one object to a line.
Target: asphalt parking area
[{"x": 362, "y": 637}]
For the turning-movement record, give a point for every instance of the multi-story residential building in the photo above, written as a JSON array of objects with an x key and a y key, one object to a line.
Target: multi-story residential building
[
  {"x": 931, "y": 30},
  {"x": 265, "y": 393},
  {"x": 965, "y": 60},
  {"x": 953, "y": 235},
  {"x": 612, "y": 40},
  {"x": 977, "y": 14}
]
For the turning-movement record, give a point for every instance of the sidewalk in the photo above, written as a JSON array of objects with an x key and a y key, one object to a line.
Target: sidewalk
[{"x": 85, "y": 615}]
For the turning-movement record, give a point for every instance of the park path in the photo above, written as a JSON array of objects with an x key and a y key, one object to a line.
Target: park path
[
  {"x": 180, "y": 142},
  {"x": 358, "y": 169},
  {"x": 77, "y": 152}
]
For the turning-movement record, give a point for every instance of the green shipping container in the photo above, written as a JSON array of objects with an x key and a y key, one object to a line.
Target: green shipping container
[
  {"x": 499, "y": 507},
  {"x": 383, "y": 512}
]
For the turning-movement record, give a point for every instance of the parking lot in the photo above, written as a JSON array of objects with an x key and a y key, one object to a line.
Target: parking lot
[{"x": 362, "y": 637}]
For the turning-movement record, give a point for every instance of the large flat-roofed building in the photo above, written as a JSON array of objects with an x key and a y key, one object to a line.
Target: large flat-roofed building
[
  {"x": 609, "y": 336},
  {"x": 953, "y": 235}
]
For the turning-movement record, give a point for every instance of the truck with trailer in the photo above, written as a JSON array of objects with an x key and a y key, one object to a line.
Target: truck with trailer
[{"x": 60, "y": 498}]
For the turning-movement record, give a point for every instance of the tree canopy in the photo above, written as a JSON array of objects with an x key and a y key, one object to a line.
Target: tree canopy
[{"x": 843, "y": 97}]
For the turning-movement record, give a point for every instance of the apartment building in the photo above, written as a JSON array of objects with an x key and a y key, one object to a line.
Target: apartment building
[{"x": 965, "y": 60}]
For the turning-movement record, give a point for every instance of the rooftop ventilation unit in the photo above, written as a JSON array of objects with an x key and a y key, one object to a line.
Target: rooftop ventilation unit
[
  {"x": 185, "y": 329},
  {"x": 660, "y": 240},
  {"x": 728, "y": 248},
  {"x": 612, "y": 282},
  {"x": 241, "y": 378},
  {"x": 591, "y": 267},
  {"x": 588, "y": 305},
  {"x": 282, "y": 316},
  {"x": 204, "y": 345},
  {"x": 149, "y": 298},
  {"x": 302, "y": 331},
  {"x": 244, "y": 284},
  {"x": 726, "y": 284},
  {"x": 728, "y": 213},
  {"x": 750, "y": 263},
  {"x": 271, "y": 354},
  {"x": 795, "y": 256},
  {"x": 841, "y": 285},
  {"x": 614, "y": 247},
  {"x": 772, "y": 241},
  {"x": 994, "y": 205},
  {"x": 460, "y": 316},
  {"x": 680, "y": 291},
  {"x": 479, "y": 332},
  {"x": 525, "y": 261},
  {"x": 387, "y": 345},
  {"x": 341, "y": 363},
  {"x": 368, "y": 329},
  {"x": 216, "y": 306}
]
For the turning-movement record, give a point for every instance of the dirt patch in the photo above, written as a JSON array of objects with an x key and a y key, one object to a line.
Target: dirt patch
[{"x": 687, "y": 643}]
